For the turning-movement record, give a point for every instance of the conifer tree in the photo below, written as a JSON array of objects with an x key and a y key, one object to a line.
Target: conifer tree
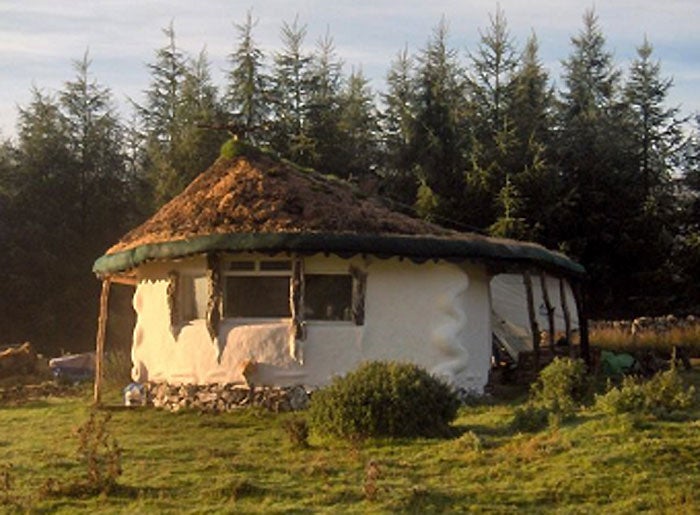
[
  {"x": 323, "y": 109},
  {"x": 291, "y": 85},
  {"x": 359, "y": 127},
  {"x": 594, "y": 155},
  {"x": 494, "y": 140},
  {"x": 247, "y": 88},
  {"x": 530, "y": 163},
  {"x": 179, "y": 98},
  {"x": 438, "y": 139},
  {"x": 400, "y": 181}
]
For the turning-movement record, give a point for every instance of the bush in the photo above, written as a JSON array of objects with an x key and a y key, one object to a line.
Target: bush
[
  {"x": 561, "y": 386},
  {"x": 529, "y": 419},
  {"x": 384, "y": 399},
  {"x": 661, "y": 395}
]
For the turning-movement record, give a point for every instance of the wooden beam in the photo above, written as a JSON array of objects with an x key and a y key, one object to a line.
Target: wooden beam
[
  {"x": 550, "y": 309},
  {"x": 534, "y": 327},
  {"x": 567, "y": 315},
  {"x": 101, "y": 336}
]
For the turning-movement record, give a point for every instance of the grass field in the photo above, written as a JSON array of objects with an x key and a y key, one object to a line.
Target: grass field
[{"x": 244, "y": 462}]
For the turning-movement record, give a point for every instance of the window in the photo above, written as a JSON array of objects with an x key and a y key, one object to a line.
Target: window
[
  {"x": 257, "y": 289},
  {"x": 328, "y": 297},
  {"x": 260, "y": 288},
  {"x": 194, "y": 294}
]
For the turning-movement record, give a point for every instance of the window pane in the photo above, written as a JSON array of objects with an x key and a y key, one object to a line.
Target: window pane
[
  {"x": 242, "y": 265},
  {"x": 328, "y": 297},
  {"x": 194, "y": 294},
  {"x": 268, "y": 266},
  {"x": 257, "y": 297}
]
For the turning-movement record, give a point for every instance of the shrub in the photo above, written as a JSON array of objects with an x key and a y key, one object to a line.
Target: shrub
[
  {"x": 661, "y": 395},
  {"x": 529, "y": 419},
  {"x": 561, "y": 386},
  {"x": 384, "y": 399}
]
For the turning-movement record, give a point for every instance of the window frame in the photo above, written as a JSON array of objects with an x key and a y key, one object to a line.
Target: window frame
[
  {"x": 317, "y": 321},
  {"x": 357, "y": 289},
  {"x": 256, "y": 271}
]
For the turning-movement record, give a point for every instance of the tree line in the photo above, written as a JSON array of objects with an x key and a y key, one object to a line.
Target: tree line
[{"x": 599, "y": 167}]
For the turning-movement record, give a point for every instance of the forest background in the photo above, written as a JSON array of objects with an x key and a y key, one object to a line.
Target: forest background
[{"x": 600, "y": 166}]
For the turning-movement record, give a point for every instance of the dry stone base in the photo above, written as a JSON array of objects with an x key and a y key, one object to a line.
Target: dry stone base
[{"x": 224, "y": 397}]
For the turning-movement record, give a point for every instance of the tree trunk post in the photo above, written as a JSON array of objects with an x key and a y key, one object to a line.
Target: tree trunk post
[
  {"x": 534, "y": 327},
  {"x": 582, "y": 323},
  {"x": 101, "y": 336},
  {"x": 567, "y": 316},
  {"x": 550, "y": 310}
]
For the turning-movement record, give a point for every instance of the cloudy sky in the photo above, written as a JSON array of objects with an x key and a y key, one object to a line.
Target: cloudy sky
[{"x": 39, "y": 39}]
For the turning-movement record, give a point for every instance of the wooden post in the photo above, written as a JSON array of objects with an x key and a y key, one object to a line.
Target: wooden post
[
  {"x": 582, "y": 323},
  {"x": 550, "y": 310},
  {"x": 533, "y": 319},
  {"x": 297, "y": 329},
  {"x": 567, "y": 316},
  {"x": 101, "y": 335}
]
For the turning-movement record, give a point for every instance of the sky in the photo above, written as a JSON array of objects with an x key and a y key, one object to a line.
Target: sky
[{"x": 40, "y": 39}]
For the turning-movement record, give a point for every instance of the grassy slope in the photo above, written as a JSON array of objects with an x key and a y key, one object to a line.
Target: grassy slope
[{"x": 243, "y": 462}]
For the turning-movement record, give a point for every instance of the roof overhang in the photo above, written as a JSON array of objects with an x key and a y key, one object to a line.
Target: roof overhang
[{"x": 492, "y": 251}]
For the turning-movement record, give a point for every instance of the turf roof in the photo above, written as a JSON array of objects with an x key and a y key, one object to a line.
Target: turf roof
[{"x": 258, "y": 203}]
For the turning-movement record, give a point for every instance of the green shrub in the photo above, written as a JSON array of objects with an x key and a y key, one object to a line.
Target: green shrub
[
  {"x": 529, "y": 419},
  {"x": 384, "y": 399},
  {"x": 237, "y": 147},
  {"x": 661, "y": 395},
  {"x": 560, "y": 387}
]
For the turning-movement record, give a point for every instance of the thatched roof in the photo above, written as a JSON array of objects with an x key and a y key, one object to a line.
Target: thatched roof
[{"x": 259, "y": 203}]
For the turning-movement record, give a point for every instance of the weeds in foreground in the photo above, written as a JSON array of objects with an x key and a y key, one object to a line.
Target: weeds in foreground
[
  {"x": 660, "y": 396},
  {"x": 370, "y": 488},
  {"x": 297, "y": 431},
  {"x": 101, "y": 456}
]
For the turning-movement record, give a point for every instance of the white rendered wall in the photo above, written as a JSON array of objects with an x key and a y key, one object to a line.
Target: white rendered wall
[{"x": 436, "y": 315}]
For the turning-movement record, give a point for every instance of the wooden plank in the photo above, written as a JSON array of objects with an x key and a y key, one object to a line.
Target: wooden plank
[
  {"x": 534, "y": 327},
  {"x": 101, "y": 336},
  {"x": 550, "y": 309}
]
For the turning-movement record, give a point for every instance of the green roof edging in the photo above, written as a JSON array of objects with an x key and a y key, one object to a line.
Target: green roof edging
[{"x": 417, "y": 248}]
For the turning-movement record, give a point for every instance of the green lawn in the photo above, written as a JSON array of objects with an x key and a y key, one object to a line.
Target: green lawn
[{"x": 244, "y": 462}]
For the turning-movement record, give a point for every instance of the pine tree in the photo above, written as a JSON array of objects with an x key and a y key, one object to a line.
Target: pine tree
[
  {"x": 530, "y": 163},
  {"x": 323, "y": 109},
  {"x": 594, "y": 154},
  {"x": 494, "y": 141},
  {"x": 359, "y": 127},
  {"x": 291, "y": 85},
  {"x": 438, "y": 139},
  {"x": 247, "y": 88},
  {"x": 656, "y": 129},
  {"x": 400, "y": 181},
  {"x": 493, "y": 66},
  {"x": 179, "y": 99}
]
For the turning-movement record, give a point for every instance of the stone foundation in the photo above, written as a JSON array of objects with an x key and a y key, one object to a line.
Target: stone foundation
[{"x": 224, "y": 397}]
